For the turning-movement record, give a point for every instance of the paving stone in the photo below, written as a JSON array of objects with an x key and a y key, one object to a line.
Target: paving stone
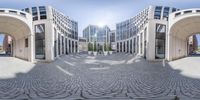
[{"x": 114, "y": 77}]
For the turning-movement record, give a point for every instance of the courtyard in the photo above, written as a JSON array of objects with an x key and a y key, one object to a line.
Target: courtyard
[{"x": 118, "y": 76}]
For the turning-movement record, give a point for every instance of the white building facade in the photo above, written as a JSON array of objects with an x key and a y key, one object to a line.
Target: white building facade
[
  {"x": 39, "y": 33},
  {"x": 54, "y": 33},
  {"x": 145, "y": 33}
]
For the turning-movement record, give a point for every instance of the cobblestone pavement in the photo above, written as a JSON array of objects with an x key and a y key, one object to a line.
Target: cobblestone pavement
[{"x": 117, "y": 76}]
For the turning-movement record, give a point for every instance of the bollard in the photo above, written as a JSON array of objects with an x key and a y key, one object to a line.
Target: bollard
[{"x": 163, "y": 62}]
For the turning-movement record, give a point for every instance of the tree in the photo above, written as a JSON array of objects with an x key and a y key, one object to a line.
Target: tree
[
  {"x": 90, "y": 47},
  {"x": 110, "y": 47},
  {"x": 106, "y": 47},
  {"x": 95, "y": 46}
]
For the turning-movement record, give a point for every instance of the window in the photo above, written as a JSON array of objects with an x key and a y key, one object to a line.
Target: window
[
  {"x": 42, "y": 10},
  {"x": 40, "y": 41},
  {"x": 26, "y": 42},
  {"x": 160, "y": 41},
  {"x": 174, "y": 9},
  {"x": 166, "y": 13},
  {"x": 131, "y": 46},
  {"x": 59, "y": 44},
  {"x": 55, "y": 42},
  {"x": 43, "y": 17},
  {"x": 2, "y": 10},
  {"x": 23, "y": 14},
  {"x": 197, "y": 10},
  {"x": 66, "y": 48},
  {"x": 189, "y": 11},
  {"x": 35, "y": 18},
  {"x": 11, "y": 11},
  {"x": 34, "y": 13},
  {"x": 177, "y": 14},
  {"x": 27, "y": 10},
  {"x": 141, "y": 43},
  {"x": 157, "y": 13}
]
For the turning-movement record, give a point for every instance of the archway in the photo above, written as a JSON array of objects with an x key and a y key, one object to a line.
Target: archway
[
  {"x": 18, "y": 24},
  {"x": 182, "y": 24}
]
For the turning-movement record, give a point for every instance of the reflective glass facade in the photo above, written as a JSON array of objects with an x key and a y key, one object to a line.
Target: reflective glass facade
[
  {"x": 94, "y": 33},
  {"x": 40, "y": 41},
  {"x": 160, "y": 41}
]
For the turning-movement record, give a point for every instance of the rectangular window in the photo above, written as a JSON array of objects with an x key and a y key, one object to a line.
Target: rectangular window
[
  {"x": 42, "y": 11},
  {"x": 2, "y": 10},
  {"x": 66, "y": 44},
  {"x": 177, "y": 14},
  {"x": 157, "y": 13},
  {"x": 55, "y": 42},
  {"x": 26, "y": 42},
  {"x": 40, "y": 41},
  {"x": 189, "y": 11},
  {"x": 197, "y": 10},
  {"x": 160, "y": 41},
  {"x": 43, "y": 17},
  {"x": 141, "y": 43},
  {"x": 59, "y": 44},
  {"x": 11, "y": 11},
  {"x": 23, "y": 14},
  {"x": 35, "y": 18},
  {"x": 27, "y": 10},
  {"x": 174, "y": 9}
]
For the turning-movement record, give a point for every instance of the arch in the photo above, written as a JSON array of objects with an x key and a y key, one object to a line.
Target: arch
[
  {"x": 18, "y": 24},
  {"x": 181, "y": 25}
]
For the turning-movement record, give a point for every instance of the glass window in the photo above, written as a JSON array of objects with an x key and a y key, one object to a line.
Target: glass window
[
  {"x": 59, "y": 44},
  {"x": 34, "y": 11},
  {"x": 66, "y": 46},
  {"x": 160, "y": 41},
  {"x": 189, "y": 11},
  {"x": 42, "y": 10},
  {"x": 11, "y": 11},
  {"x": 174, "y": 9},
  {"x": 40, "y": 41},
  {"x": 157, "y": 13},
  {"x": 177, "y": 14},
  {"x": 26, "y": 42},
  {"x": 27, "y": 10},
  {"x": 43, "y": 17},
  {"x": 55, "y": 42},
  {"x": 166, "y": 13}
]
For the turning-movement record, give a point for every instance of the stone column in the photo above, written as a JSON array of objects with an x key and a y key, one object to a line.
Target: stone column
[{"x": 31, "y": 48}]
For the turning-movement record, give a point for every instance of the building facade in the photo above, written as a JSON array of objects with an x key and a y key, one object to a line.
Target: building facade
[
  {"x": 95, "y": 33},
  {"x": 7, "y": 44},
  {"x": 54, "y": 33},
  {"x": 193, "y": 44},
  {"x": 112, "y": 39},
  {"x": 100, "y": 35},
  {"x": 145, "y": 33},
  {"x": 83, "y": 46}
]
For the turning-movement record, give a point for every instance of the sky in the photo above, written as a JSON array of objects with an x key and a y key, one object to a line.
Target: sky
[{"x": 99, "y": 12}]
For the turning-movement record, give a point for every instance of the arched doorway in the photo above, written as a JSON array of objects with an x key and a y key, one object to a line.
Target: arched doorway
[
  {"x": 18, "y": 24},
  {"x": 182, "y": 25}
]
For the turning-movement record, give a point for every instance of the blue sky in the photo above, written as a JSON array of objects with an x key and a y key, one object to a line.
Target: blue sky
[{"x": 107, "y": 12}]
